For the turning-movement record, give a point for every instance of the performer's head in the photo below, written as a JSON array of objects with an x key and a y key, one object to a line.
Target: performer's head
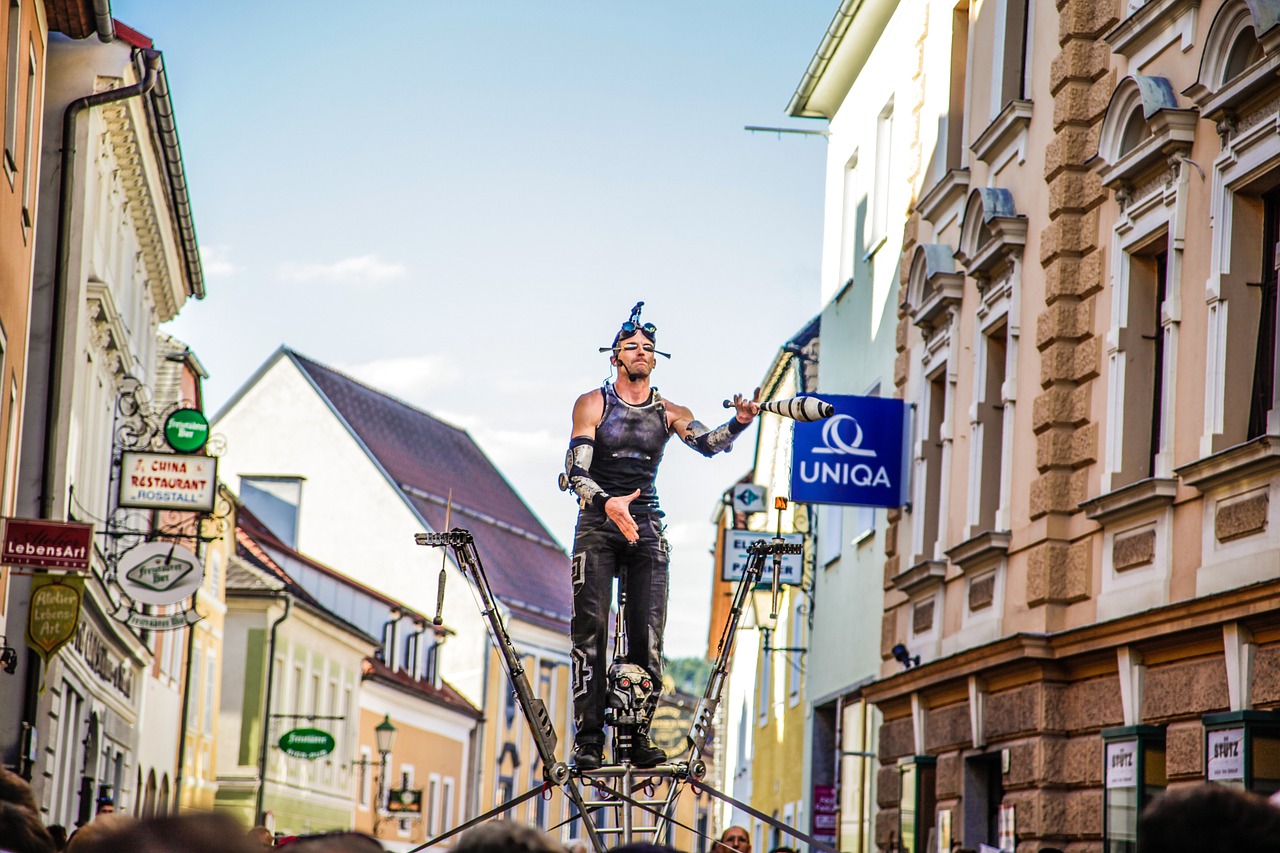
[{"x": 633, "y": 350}]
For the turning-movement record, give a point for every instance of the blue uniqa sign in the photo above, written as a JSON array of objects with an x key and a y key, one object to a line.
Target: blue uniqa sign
[{"x": 854, "y": 457}]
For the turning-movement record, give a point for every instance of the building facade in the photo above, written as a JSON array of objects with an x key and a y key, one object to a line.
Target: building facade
[{"x": 1087, "y": 572}]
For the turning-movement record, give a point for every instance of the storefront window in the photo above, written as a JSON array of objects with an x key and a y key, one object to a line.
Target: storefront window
[
  {"x": 1134, "y": 775},
  {"x": 918, "y": 804}
]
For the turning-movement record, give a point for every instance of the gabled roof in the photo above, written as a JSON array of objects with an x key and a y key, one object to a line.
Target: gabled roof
[
  {"x": 446, "y": 694},
  {"x": 426, "y": 459}
]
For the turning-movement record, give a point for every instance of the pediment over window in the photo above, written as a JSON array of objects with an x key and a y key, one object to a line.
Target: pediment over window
[
  {"x": 1142, "y": 130},
  {"x": 1240, "y": 59},
  {"x": 934, "y": 284},
  {"x": 992, "y": 232}
]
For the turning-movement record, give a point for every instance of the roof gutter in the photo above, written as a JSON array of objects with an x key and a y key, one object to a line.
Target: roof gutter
[
  {"x": 166, "y": 139},
  {"x": 799, "y": 106},
  {"x": 261, "y": 794},
  {"x": 66, "y": 197},
  {"x": 103, "y": 23}
]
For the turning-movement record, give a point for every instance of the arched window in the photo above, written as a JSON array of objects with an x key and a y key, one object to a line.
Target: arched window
[
  {"x": 1142, "y": 131},
  {"x": 1135, "y": 130},
  {"x": 1245, "y": 51}
]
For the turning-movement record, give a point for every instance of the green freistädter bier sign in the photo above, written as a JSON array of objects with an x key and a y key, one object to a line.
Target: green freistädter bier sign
[
  {"x": 186, "y": 430},
  {"x": 306, "y": 743}
]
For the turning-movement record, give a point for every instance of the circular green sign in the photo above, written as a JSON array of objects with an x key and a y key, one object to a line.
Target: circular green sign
[
  {"x": 306, "y": 743},
  {"x": 186, "y": 430}
]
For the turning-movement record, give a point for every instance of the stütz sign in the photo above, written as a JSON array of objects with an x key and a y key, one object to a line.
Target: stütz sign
[
  {"x": 46, "y": 544},
  {"x": 306, "y": 743}
]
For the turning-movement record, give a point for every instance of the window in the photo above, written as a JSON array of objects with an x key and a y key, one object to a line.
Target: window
[
  {"x": 927, "y": 510},
  {"x": 852, "y": 219},
  {"x": 959, "y": 73},
  {"x": 1245, "y": 51},
  {"x": 210, "y": 689},
  {"x": 917, "y": 803},
  {"x": 446, "y": 805},
  {"x": 795, "y": 640},
  {"x": 830, "y": 533},
  {"x": 1010, "y": 67},
  {"x": 28, "y": 147},
  {"x": 988, "y": 429},
  {"x": 406, "y": 783},
  {"x": 432, "y": 806},
  {"x": 1134, "y": 775},
  {"x": 764, "y": 684},
  {"x": 1264, "y": 362},
  {"x": 857, "y": 772},
  {"x": 1138, "y": 369},
  {"x": 884, "y": 170},
  {"x": 277, "y": 502},
  {"x": 10, "y": 475},
  {"x": 12, "y": 66},
  {"x": 364, "y": 778},
  {"x": 193, "y": 709}
]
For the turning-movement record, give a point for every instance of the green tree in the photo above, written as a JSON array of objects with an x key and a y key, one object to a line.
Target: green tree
[{"x": 689, "y": 675}]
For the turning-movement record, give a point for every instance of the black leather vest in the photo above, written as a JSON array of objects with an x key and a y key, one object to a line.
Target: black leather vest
[{"x": 629, "y": 445}]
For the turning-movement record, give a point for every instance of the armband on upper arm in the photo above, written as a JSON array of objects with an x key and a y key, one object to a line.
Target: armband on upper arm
[
  {"x": 577, "y": 473},
  {"x": 709, "y": 442}
]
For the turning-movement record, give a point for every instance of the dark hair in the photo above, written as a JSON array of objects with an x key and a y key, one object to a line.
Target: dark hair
[
  {"x": 1209, "y": 818},
  {"x": 505, "y": 836},
  {"x": 14, "y": 789},
  {"x": 338, "y": 841},
  {"x": 194, "y": 833},
  {"x": 22, "y": 831}
]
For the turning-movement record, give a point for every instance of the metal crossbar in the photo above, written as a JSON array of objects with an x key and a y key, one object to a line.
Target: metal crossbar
[{"x": 621, "y": 800}]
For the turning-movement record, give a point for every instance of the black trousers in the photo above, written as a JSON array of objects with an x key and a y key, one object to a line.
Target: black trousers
[{"x": 600, "y": 553}]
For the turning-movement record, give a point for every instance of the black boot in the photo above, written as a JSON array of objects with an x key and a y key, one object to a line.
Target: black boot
[
  {"x": 645, "y": 754},
  {"x": 588, "y": 756}
]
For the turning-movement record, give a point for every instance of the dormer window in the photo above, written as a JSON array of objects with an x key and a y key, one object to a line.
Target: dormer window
[{"x": 1144, "y": 129}]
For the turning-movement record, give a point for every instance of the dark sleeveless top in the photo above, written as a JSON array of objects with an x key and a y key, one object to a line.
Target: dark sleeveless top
[{"x": 629, "y": 444}]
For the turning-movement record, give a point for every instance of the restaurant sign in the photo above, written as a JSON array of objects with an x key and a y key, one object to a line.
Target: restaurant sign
[
  {"x": 36, "y": 544},
  {"x": 168, "y": 481}
]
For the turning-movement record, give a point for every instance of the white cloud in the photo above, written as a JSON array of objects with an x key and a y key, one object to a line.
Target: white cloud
[
  {"x": 411, "y": 378},
  {"x": 362, "y": 269},
  {"x": 216, "y": 261}
]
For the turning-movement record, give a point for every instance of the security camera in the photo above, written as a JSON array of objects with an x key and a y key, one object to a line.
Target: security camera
[{"x": 904, "y": 657}]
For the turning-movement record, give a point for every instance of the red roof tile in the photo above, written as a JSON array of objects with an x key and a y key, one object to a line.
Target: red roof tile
[{"x": 445, "y": 694}]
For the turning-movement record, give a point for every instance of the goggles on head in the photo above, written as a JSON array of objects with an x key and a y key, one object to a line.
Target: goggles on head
[{"x": 631, "y": 327}]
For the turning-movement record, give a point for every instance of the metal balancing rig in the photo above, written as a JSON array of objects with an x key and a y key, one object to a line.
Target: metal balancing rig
[{"x": 622, "y": 792}]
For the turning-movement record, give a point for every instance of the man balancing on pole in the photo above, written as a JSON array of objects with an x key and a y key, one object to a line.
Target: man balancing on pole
[{"x": 619, "y": 433}]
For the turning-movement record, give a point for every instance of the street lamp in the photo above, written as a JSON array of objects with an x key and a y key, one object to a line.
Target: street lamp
[{"x": 385, "y": 734}]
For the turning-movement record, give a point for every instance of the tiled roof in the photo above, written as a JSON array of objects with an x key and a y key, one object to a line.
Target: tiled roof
[
  {"x": 445, "y": 694},
  {"x": 427, "y": 458}
]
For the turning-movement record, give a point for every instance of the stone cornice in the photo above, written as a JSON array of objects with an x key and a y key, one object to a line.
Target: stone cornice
[
  {"x": 921, "y": 576},
  {"x": 1142, "y": 496},
  {"x": 981, "y": 550},
  {"x": 1257, "y": 456},
  {"x": 1003, "y": 131}
]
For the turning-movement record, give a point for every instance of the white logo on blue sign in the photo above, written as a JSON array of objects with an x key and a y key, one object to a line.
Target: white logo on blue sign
[{"x": 852, "y": 458}]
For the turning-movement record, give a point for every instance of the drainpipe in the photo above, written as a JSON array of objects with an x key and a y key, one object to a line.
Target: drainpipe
[
  {"x": 66, "y": 195},
  {"x": 266, "y": 715},
  {"x": 102, "y": 22},
  {"x": 186, "y": 710}
]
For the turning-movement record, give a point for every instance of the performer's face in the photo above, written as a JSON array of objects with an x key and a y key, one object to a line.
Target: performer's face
[{"x": 635, "y": 356}]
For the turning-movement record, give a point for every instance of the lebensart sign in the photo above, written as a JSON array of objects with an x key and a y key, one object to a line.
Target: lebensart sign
[
  {"x": 854, "y": 457},
  {"x": 36, "y": 544}
]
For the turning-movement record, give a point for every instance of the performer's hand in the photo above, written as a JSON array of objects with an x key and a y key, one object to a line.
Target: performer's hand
[
  {"x": 619, "y": 510},
  {"x": 747, "y": 409}
]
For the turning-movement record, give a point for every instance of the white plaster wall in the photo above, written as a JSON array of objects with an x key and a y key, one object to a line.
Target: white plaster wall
[{"x": 351, "y": 517}]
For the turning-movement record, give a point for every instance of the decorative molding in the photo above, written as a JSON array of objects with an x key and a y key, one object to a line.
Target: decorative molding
[
  {"x": 1005, "y": 131},
  {"x": 944, "y": 197},
  {"x": 978, "y": 552},
  {"x": 1170, "y": 132},
  {"x": 1137, "y": 498},
  {"x": 921, "y": 576},
  {"x": 1258, "y": 456},
  {"x": 992, "y": 233},
  {"x": 934, "y": 286},
  {"x": 1149, "y": 22}
]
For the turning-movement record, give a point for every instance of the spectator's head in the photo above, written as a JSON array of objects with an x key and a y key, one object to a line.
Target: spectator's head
[
  {"x": 644, "y": 847},
  {"x": 196, "y": 833},
  {"x": 106, "y": 805},
  {"x": 58, "y": 833},
  {"x": 1209, "y": 818},
  {"x": 21, "y": 830},
  {"x": 261, "y": 835},
  {"x": 735, "y": 839},
  {"x": 505, "y": 836},
  {"x": 783, "y": 849},
  {"x": 332, "y": 842},
  {"x": 14, "y": 789}
]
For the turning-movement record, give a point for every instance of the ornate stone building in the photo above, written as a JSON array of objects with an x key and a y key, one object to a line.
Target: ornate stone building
[{"x": 1088, "y": 567}]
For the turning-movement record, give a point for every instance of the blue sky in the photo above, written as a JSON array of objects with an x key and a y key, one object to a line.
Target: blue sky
[{"x": 459, "y": 201}]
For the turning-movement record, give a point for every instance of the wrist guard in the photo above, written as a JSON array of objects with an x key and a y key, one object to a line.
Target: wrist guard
[
  {"x": 577, "y": 474},
  {"x": 709, "y": 442}
]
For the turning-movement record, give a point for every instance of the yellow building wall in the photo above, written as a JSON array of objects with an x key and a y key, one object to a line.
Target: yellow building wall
[{"x": 777, "y": 763}]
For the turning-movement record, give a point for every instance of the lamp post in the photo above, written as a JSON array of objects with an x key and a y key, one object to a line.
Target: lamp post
[{"x": 385, "y": 734}]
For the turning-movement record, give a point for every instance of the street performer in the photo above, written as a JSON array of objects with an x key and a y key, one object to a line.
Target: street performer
[{"x": 619, "y": 433}]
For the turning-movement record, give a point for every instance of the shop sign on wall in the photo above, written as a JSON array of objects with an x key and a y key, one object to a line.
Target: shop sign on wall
[
  {"x": 159, "y": 573},
  {"x": 1122, "y": 764},
  {"x": 54, "y": 612},
  {"x": 306, "y": 743},
  {"x": 36, "y": 544},
  {"x": 1226, "y": 755},
  {"x": 168, "y": 481}
]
